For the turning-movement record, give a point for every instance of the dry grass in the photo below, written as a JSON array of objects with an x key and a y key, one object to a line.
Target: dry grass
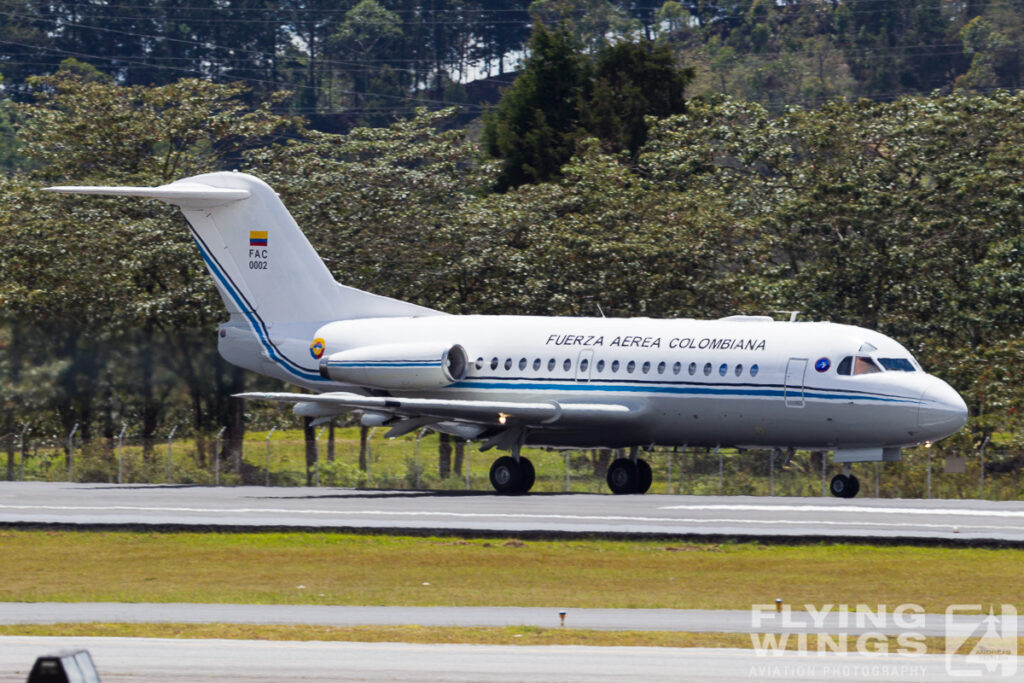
[
  {"x": 343, "y": 569},
  {"x": 511, "y": 635}
]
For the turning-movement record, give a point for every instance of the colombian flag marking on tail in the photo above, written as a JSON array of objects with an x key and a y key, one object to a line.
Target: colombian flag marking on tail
[{"x": 257, "y": 238}]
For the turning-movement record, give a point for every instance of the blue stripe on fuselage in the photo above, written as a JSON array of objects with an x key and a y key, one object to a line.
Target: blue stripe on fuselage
[{"x": 721, "y": 390}]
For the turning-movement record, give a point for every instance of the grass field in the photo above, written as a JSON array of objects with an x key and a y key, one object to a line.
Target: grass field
[{"x": 344, "y": 569}]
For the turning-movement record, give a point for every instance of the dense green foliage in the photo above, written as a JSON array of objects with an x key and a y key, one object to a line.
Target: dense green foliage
[
  {"x": 369, "y": 61},
  {"x": 561, "y": 96}
]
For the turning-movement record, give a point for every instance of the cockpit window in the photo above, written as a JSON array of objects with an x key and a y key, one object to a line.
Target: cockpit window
[
  {"x": 845, "y": 366},
  {"x": 863, "y": 365},
  {"x": 897, "y": 364}
]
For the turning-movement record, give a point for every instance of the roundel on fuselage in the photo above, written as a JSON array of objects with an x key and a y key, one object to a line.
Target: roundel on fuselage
[{"x": 822, "y": 364}]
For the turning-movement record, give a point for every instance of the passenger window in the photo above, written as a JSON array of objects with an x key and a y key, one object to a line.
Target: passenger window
[
  {"x": 522, "y": 363},
  {"x": 630, "y": 366},
  {"x": 739, "y": 370},
  {"x": 480, "y": 363},
  {"x": 864, "y": 366},
  {"x": 707, "y": 369},
  {"x": 536, "y": 364},
  {"x": 584, "y": 364},
  {"x": 600, "y": 366},
  {"x": 494, "y": 363},
  {"x": 566, "y": 365},
  {"x": 722, "y": 369},
  {"x": 661, "y": 368},
  {"x": 753, "y": 370},
  {"x": 615, "y": 366},
  {"x": 845, "y": 365},
  {"x": 551, "y": 364},
  {"x": 693, "y": 369},
  {"x": 646, "y": 367},
  {"x": 508, "y": 363},
  {"x": 677, "y": 367}
]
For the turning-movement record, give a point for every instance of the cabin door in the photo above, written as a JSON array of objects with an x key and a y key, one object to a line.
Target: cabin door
[
  {"x": 794, "y": 387},
  {"x": 583, "y": 364}
]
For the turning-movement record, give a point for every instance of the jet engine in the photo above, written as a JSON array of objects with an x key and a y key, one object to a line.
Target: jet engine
[{"x": 426, "y": 365}]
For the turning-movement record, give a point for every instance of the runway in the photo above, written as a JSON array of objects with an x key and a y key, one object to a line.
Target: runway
[
  {"x": 135, "y": 659},
  {"x": 252, "y": 507},
  {"x": 758, "y": 619}
]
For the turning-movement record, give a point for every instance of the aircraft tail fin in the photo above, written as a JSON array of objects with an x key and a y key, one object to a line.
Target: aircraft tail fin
[{"x": 264, "y": 267}]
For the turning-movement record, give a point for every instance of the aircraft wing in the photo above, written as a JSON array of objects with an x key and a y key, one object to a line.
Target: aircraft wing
[{"x": 489, "y": 412}]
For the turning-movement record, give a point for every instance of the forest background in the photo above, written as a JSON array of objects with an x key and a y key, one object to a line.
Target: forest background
[{"x": 858, "y": 162}]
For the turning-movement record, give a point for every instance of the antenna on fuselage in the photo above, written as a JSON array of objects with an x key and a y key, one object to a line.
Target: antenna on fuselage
[
  {"x": 793, "y": 315},
  {"x": 599, "y": 309}
]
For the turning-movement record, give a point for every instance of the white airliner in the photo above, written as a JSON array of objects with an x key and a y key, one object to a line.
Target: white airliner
[{"x": 509, "y": 381}]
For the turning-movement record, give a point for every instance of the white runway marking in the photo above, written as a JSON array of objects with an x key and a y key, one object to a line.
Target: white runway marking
[
  {"x": 564, "y": 517},
  {"x": 750, "y": 507}
]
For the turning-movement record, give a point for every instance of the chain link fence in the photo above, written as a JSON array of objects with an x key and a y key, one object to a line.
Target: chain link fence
[{"x": 281, "y": 458}]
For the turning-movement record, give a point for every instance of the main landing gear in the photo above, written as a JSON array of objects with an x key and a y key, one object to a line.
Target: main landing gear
[
  {"x": 630, "y": 475},
  {"x": 844, "y": 486},
  {"x": 510, "y": 474}
]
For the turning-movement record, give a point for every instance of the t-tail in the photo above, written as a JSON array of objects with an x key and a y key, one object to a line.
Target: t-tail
[{"x": 276, "y": 288}]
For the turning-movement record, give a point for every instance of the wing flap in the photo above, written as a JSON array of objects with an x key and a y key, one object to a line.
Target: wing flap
[{"x": 492, "y": 412}]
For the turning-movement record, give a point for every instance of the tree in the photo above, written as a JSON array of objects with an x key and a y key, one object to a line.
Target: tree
[
  {"x": 535, "y": 127},
  {"x": 631, "y": 82}
]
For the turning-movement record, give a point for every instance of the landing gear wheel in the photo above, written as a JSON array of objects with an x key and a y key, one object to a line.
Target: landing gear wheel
[
  {"x": 526, "y": 468},
  {"x": 854, "y": 486},
  {"x": 506, "y": 475},
  {"x": 623, "y": 476},
  {"x": 844, "y": 486},
  {"x": 644, "y": 476}
]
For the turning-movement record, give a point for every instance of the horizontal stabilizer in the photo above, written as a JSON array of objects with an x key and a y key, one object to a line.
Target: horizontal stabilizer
[
  {"x": 191, "y": 195},
  {"x": 543, "y": 412}
]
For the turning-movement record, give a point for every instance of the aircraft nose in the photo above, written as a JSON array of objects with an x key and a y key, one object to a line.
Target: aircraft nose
[{"x": 942, "y": 412}]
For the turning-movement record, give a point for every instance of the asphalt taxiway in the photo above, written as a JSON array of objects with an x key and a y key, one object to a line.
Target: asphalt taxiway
[
  {"x": 137, "y": 659},
  {"x": 253, "y": 507}
]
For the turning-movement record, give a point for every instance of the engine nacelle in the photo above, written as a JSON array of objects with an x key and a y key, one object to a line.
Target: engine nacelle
[{"x": 426, "y": 365}]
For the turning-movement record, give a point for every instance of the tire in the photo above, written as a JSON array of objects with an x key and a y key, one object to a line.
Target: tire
[
  {"x": 840, "y": 486},
  {"x": 644, "y": 476},
  {"x": 622, "y": 476},
  {"x": 506, "y": 475},
  {"x": 529, "y": 475},
  {"x": 854, "y": 486}
]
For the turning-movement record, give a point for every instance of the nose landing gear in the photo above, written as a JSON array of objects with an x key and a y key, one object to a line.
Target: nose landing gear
[{"x": 844, "y": 486}]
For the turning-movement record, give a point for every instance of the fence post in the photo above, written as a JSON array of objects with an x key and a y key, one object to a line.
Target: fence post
[
  {"x": 369, "y": 454},
  {"x": 120, "y": 454},
  {"x": 721, "y": 469},
  {"x": 316, "y": 464},
  {"x": 771, "y": 471},
  {"x": 216, "y": 456},
  {"x": 824, "y": 473},
  {"x": 981, "y": 479},
  {"x": 71, "y": 453},
  {"x": 465, "y": 462},
  {"x": 170, "y": 454},
  {"x": 21, "y": 452},
  {"x": 928, "y": 447},
  {"x": 266, "y": 468},
  {"x": 878, "y": 466},
  {"x": 668, "y": 488},
  {"x": 419, "y": 482}
]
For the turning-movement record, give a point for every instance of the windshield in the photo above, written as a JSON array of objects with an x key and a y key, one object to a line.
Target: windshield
[{"x": 897, "y": 364}]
